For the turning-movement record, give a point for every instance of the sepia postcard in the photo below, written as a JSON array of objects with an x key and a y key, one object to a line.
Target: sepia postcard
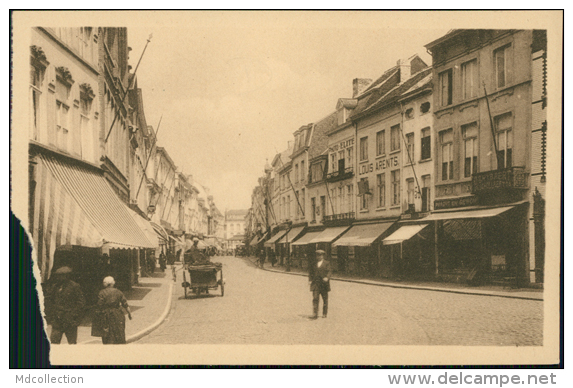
[{"x": 292, "y": 187}]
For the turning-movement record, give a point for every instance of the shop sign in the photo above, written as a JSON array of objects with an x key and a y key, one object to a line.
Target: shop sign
[
  {"x": 449, "y": 203},
  {"x": 380, "y": 164},
  {"x": 499, "y": 179},
  {"x": 342, "y": 145}
]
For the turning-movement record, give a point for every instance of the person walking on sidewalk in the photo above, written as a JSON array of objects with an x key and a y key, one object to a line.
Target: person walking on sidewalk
[
  {"x": 64, "y": 306},
  {"x": 110, "y": 319},
  {"x": 319, "y": 280}
]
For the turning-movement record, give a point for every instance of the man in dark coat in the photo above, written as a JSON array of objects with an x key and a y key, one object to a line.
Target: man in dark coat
[
  {"x": 64, "y": 306},
  {"x": 194, "y": 254},
  {"x": 319, "y": 280}
]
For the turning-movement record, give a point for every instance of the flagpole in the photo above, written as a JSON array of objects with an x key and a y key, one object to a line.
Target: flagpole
[
  {"x": 128, "y": 87},
  {"x": 491, "y": 125},
  {"x": 149, "y": 156}
]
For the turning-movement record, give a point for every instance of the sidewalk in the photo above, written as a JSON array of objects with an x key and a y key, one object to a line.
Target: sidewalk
[
  {"x": 149, "y": 302},
  {"x": 499, "y": 291}
]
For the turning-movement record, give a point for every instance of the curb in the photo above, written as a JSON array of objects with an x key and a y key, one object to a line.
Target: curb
[{"x": 422, "y": 288}]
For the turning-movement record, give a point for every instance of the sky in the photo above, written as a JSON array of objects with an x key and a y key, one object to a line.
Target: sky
[{"x": 232, "y": 88}]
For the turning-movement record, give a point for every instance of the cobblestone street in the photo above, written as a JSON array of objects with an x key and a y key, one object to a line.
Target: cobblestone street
[{"x": 261, "y": 307}]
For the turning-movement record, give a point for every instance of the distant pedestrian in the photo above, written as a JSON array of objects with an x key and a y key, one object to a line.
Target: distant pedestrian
[
  {"x": 319, "y": 279},
  {"x": 110, "y": 319},
  {"x": 262, "y": 256},
  {"x": 272, "y": 257},
  {"x": 64, "y": 306},
  {"x": 162, "y": 261}
]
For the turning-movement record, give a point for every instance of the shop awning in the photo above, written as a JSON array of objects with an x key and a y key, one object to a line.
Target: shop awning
[
  {"x": 271, "y": 241},
  {"x": 363, "y": 235},
  {"x": 74, "y": 205},
  {"x": 404, "y": 233},
  {"x": 256, "y": 240},
  {"x": 291, "y": 235},
  {"x": 160, "y": 232},
  {"x": 306, "y": 238},
  {"x": 147, "y": 228},
  {"x": 329, "y": 234},
  {"x": 474, "y": 213}
]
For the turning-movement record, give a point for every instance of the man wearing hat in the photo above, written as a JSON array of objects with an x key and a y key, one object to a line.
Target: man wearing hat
[
  {"x": 194, "y": 254},
  {"x": 64, "y": 306},
  {"x": 319, "y": 279}
]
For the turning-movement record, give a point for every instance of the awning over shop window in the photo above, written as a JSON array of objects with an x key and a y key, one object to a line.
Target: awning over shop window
[
  {"x": 275, "y": 238},
  {"x": 74, "y": 205},
  {"x": 291, "y": 235},
  {"x": 161, "y": 233},
  {"x": 147, "y": 228},
  {"x": 363, "y": 235},
  {"x": 329, "y": 234},
  {"x": 306, "y": 238},
  {"x": 256, "y": 239},
  {"x": 404, "y": 233},
  {"x": 474, "y": 213}
]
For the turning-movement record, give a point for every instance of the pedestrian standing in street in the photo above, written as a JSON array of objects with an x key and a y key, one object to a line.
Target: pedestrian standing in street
[
  {"x": 110, "y": 319},
  {"x": 64, "y": 306},
  {"x": 162, "y": 262},
  {"x": 319, "y": 280},
  {"x": 261, "y": 256}
]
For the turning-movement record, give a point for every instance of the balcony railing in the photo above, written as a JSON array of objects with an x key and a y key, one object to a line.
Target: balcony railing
[
  {"x": 338, "y": 217},
  {"x": 339, "y": 175},
  {"x": 507, "y": 178}
]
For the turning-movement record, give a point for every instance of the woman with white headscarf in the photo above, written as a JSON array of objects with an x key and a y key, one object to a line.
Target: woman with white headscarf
[{"x": 112, "y": 319}]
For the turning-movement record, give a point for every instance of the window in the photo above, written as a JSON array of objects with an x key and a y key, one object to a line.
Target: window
[
  {"x": 469, "y": 79},
  {"x": 349, "y": 156},
  {"x": 410, "y": 190},
  {"x": 323, "y": 205},
  {"x": 284, "y": 212},
  {"x": 289, "y": 205},
  {"x": 350, "y": 193},
  {"x": 36, "y": 78},
  {"x": 395, "y": 176},
  {"x": 341, "y": 202},
  {"x": 470, "y": 134},
  {"x": 445, "y": 87},
  {"x": 381, "y": 190},
  {"x": 364, "y": 148},
  {"x": 333, "y": 199},
  {"x": 446, "y": 144},
  {"x": 410, "y": 148},
  {"x": 426, "y": 144},
  {"x": 395, "y": 138},
  {"x": 341, "y": 162},
  {"x": 62, "y": 115},
  {"x": 503, "y": 126},
  {"x": 85, "y": 128},
  {"x": 425, "y": 107},
  {"x": 313, "y": 208},
  {"x": 426, "y": 182},
  {"x": 364, "y": 196},
  {"x": 297, "y": 210},
  {"x": 333, "y": 165},
  {"x": 85, "y": 43},
  {"x": 302, "y": 172},
  {"x": 500, "y": 57},
  {"x": 380, "y": 142},
  {"x": 303, "y": 202},
  {"x": 296, "y": 173}
]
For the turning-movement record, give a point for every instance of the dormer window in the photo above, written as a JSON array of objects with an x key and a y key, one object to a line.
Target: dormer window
[{"x": 342, "y": 115}]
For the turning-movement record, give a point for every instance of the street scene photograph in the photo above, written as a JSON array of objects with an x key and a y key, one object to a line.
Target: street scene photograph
[{"x": 286, "y": 179}]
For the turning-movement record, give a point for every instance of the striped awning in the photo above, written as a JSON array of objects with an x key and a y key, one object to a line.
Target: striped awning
[
  {"x": 146, "y": 227},
  {"x": 74, "y": 205},
  {"x": 271, "y": 242}
]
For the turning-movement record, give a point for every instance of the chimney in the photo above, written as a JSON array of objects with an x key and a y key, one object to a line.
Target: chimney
[
  {"x": 359, "y": 84},
  {"x": 404, "y": 66}
]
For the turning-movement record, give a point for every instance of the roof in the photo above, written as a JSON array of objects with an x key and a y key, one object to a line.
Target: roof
[
  {"x": 237, "y": 212},
  {"x": 448, "y": 35},
  {"x": 393, "y": 94}
]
